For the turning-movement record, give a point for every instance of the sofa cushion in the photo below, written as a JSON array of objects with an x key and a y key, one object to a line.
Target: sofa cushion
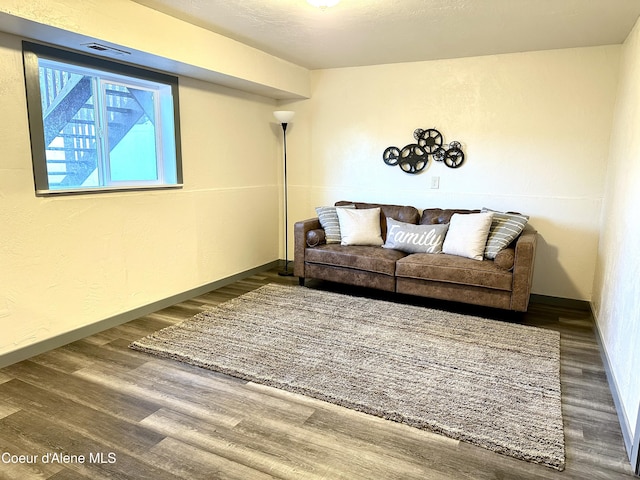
[
  {"x": 432, "y": 216},
  {"x": 410, "y": 238},
  {"x": 454, "y": 269},
  {"x": 373, "y": 259},
  {"x": 360, "y": 227}
]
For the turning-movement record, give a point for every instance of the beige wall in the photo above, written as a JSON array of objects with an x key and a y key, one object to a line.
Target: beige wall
[
  {"x": 616, "y": 297},
  {"x": 535, "y": 129},
  {"x": 156, "y": 40},
  {"x": 70, "y": 261}
]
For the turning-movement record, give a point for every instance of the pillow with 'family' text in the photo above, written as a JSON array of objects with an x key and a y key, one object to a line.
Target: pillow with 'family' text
[{"x": 411, "y": 238}]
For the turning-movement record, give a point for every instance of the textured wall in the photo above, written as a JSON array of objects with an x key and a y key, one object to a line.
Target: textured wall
[
  {"x": 155, "y": 40},
  {"x": 67, "y": 262},
  {"x": 535, "y": 128},
  {"x": 616, "y": 297}
]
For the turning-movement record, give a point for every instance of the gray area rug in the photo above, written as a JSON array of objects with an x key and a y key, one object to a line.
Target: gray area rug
[{"x": 487, "y": 382}]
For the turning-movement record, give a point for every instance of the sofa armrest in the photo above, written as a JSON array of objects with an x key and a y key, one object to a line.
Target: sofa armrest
[
  {"x": 525, "y": 255},
  {"x": 300, "y": 230}
]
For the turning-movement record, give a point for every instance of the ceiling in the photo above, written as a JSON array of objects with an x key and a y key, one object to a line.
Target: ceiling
[{"x": 371, "y": 32}]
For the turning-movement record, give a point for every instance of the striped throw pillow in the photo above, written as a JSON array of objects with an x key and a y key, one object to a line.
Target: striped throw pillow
[
  {"x": 329, "y": 220},
  {"x": 505, "y": 228}
]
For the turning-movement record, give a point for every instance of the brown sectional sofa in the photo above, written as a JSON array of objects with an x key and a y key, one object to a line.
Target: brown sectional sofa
[{"x": 501, "y": 283}]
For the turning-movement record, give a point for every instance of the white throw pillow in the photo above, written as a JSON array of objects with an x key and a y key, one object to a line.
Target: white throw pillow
[
  {"x": 360, "y": 227},
  {"x": 467, "y": 235}
]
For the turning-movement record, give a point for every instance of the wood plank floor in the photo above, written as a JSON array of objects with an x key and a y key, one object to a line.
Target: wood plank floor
[{"x": 134, "y": 416}]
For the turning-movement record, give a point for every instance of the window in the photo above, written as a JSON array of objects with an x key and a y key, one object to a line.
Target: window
[{"x": 98, "y": 125}]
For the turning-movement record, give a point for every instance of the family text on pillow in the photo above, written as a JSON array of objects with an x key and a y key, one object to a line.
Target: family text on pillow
[{"x": 411, "y": 238}]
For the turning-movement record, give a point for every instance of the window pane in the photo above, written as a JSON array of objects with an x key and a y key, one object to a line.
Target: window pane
[
  {"x": 69, "y": 122},
  {"x": 132, "y": 134},
  {"x": 98, "y": 125}
]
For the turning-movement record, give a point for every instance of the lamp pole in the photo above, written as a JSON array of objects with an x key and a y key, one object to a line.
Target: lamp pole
[{"x": 284, "y": 117}]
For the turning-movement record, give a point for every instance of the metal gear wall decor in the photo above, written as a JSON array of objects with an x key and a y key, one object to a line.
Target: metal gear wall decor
[{"x": 413, "y": 158}]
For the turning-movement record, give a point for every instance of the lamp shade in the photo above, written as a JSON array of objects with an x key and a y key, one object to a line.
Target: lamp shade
[{"x": 283, "y": 116}]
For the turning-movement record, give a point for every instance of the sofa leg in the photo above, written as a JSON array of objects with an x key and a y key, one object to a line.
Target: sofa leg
[{"x": 301, "y": 281}]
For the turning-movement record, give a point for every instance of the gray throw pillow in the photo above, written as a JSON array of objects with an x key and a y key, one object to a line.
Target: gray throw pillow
[
  {"x": 411, "y": 238},
  {"x": 329, "y": 220},
  {"x": 505, "y": 228}
]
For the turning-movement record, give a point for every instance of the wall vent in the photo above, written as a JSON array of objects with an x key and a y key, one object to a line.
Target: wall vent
[{"x": 104, "y": 48}]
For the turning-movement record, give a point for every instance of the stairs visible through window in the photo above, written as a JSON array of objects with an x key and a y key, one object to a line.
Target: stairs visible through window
[{"x": 101, "y": 129}]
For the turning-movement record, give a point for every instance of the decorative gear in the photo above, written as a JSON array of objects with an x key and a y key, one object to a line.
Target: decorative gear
[
  {"x": 391, "y": 155},
  {"x": 430, "y": 139},
  {"x": 413, "y": 158},
  {"x": 454, "y": 158},
  {"x": 439, "y": 154}
]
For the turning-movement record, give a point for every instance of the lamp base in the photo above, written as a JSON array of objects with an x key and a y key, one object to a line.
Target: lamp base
[
  {"x": 286, "y": 273},
  {"x": 286, "y": 270}
]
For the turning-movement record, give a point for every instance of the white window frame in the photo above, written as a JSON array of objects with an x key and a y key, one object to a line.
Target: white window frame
[{"x": 167, "y": 133}]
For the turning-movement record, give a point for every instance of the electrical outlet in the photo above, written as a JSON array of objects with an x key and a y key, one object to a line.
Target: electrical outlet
[{"x": 435, "y": 182}]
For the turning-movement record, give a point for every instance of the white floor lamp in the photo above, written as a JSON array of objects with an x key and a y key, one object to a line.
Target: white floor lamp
[{"x": 284, "y": 117}]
